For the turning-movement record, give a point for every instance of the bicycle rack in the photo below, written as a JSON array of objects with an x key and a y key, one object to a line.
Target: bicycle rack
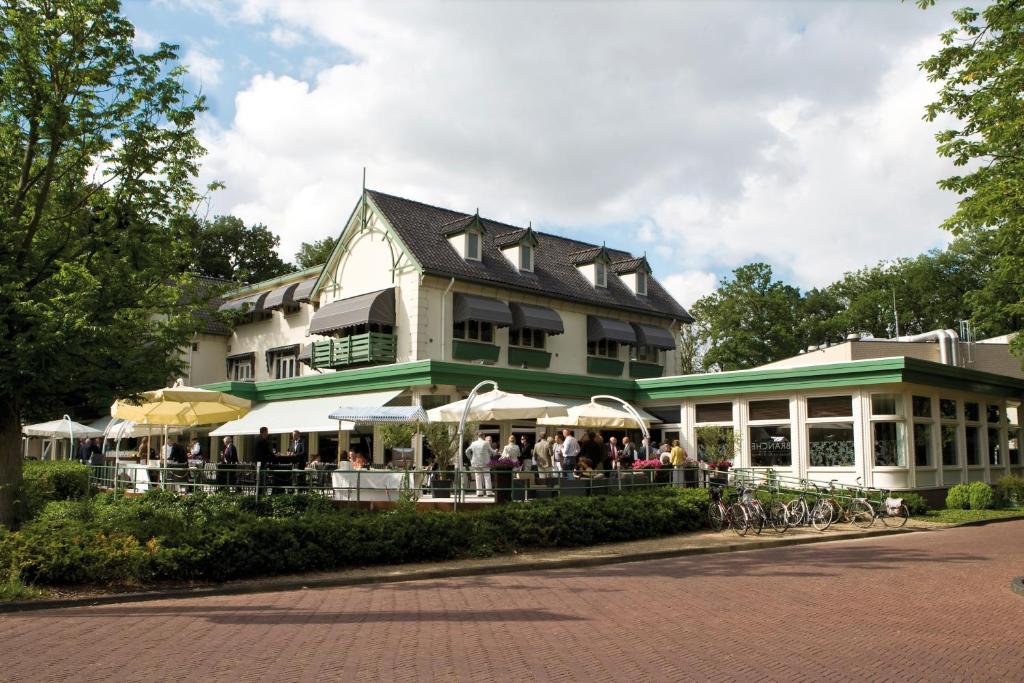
[{"x": 779, "y": 483}]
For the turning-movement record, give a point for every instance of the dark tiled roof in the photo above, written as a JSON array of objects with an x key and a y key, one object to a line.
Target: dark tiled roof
[
  {"x": 509, "y": 238},
  {"x": 630, "y": 265},
  {"x": 423, "y": 228},
  {"x": 585, "y": 256}
]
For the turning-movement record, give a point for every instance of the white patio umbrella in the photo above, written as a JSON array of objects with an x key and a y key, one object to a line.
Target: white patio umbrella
[
  {"x": 496, "y": 405},
  {"x": 594, "y": 415},
  {"x": 61, "y": 429}
]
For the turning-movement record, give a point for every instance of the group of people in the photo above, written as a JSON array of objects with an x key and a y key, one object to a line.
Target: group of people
[
  {"x": 563, "y": 455},
  {"x": 90, "y": 451}
]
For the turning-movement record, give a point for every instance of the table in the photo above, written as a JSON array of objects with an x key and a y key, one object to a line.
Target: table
[
  {"x": 136, "y": 473},
  {"x": 373, "y": 484}
]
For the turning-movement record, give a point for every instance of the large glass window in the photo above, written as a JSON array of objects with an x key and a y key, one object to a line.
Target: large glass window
[
  {"x": 645, "y": 354},
  {"x": 992, "y": 414},
  {"x": 829, "y": 406},
  {"x": 889, "y": 444},
  {"x": 1014, "y": 435},
  {"x": 886, "y": 404},
  {"x": 972, "y": 412},
  {"x": 923, "y": 456},
  {"x": 771, "y": 446},
  {"x": 714, "y": 412},
  {"x": 995, "y": 455},
  {"x": 716, "y": 443},
  {"x": 831, "y": 444},
  {"x": 950, "y": 449},
  {"x": 921, "y": 406},
  {"x": 775, "y": 409},
  {"x": 972, "y": 438},
  {"x": 947, "y": 409}
]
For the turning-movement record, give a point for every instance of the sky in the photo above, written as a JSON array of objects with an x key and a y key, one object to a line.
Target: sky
[{"x": 705, "y": 135}]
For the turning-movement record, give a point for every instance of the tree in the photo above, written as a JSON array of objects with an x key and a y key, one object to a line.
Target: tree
[
  {"x": 228, "y": 249},
  {"x": 315, "y": 253},
  {"x": 691, "y": 355},
  {"x": 981, "y": 70},
  {"x": 749, "y": 320},
  {"x": 98, "y": 156}
]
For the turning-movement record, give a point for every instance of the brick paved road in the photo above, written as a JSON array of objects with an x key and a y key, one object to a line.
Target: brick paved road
[{"x": 926, "y": 606}]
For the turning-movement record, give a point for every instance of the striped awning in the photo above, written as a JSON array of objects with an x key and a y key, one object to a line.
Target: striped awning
[
  {"x": 654, "y": 337},
  {"x": 482, "y": 308},
  {"x": 241, "y": 303},
  {"x": 379, "y": 415},
  {"x": 373, "y": 307},
  {"x": 599, "y": 329},
  {"x": 289, "y": 294},
  {"x": 536, "y": 317}
]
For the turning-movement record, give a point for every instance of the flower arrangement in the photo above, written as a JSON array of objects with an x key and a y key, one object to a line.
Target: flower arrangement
[
  {"x": 652, "y": 464},
  {"x": 504, "y": 463},
  {"x": 721, "y": 465}
]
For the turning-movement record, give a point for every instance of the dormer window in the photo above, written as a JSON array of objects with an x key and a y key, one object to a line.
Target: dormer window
[
  {"x": 472, "y": 245},
  {"x": 600, "y": 274},
  {"x": 526, "y": 257},
  {"x": 641, "y": 283},
  {"x": 634, "y": 273}
]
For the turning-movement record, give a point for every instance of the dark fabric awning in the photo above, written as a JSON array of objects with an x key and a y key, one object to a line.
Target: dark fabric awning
[
  {"x": 482, "y": 308},
  {"x": 612, "y": 330},
  {"x": 306, "y": 354},
  {"x": 248, "y": 355},
  {"x": 283, "y": 350},
  {"x": 654, "y": 337},
  {"x": 536, "y": 317},
  {"x": 240, "y": 303},
  {"x": 374, "y": 307},
  {"x": 260, "y": 304},
  {"x": 304, "y": 289}
]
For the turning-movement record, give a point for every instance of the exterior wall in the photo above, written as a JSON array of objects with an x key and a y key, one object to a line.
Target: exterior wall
[
  {"x": 910, "y": 475},
  {"x": 278, "y": 330},
  {"x": 994, "y": 358},
  {"x": 206, "y": 360}
]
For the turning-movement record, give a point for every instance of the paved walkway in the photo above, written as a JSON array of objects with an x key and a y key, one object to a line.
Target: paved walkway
[{"x": 922, "y": 606}]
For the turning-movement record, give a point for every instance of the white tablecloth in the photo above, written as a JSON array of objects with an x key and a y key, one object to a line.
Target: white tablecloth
[
  {"x": 373, "y": 484},
  {"x": 135, "y": 473}
]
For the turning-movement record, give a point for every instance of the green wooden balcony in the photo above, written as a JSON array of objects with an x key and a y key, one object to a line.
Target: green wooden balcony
[
  {"x": 471, "y": 350},
  {"x": 642, "y": 370},
  {"x": 599, "y": 365},
  {"x": 531, "y": 358},
  {"x": 358, "y": 349}
]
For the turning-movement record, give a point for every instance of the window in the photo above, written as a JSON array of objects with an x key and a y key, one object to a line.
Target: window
[
  {"x": 291, "y": 309},
  {"x": 775, "y": 409},
  {"x": 831, "y": 444},
  {"x": 527, "y": 337},
  {"x": 831, "y": 441},
  {"x": 473, "y": 245},
  {"x": 525, "y": 257},
  {"x": 604, "y": 348},
  {"x": 886, "y": 404},
  {"x": 1014, "y": 435},
  {"x": 994, "y": 448},
  {"x": 474, "y": 330},
  {"x": 829, "y": 406},
  {"x": 645, "y": 354},
  {"x": 716, "y": 443},
  {"x": 950, "y": 449},
  {"x": 641, "y": 283},
  {"x": 921, "y": 406},
  {"x": 714, "y": 412},
  {"x": 285, "y": 365},
  {"x": 889, "y": 440},
  {"x": 923, "y": 456},
  {"x": 972, "y": 412},
  {"x": 947, "y": 409},
  {"x": 992, "y": 414},
  {"x": 972, "y": 437},
  {"x": 195, "y": 346},
  {"x": 600, "y": 274},
  {"x": 771, "y": 446},
  {"x": 240, "y": 369}
]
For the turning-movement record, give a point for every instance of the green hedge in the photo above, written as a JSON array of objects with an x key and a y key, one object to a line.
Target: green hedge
[
  {"x": 974, "y": 496},
  {"x": 915, "y": 503},
  {"x": 163, "y": 536},
  {"x": 46, "y": 481},
  {"x": 1009, "y": 491}
]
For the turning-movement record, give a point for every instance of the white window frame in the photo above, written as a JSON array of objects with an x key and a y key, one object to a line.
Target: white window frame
[
  {"x": 286, "y": 365},
  {"x": 242, "y": 370},
  {"x": 1000, "y": 428},
  {"x": 794, "y": 451},
  {"x": 608, "y": 352},
  {"x": 934, "y": 428},
  {"x": 956, "y": 422},
  {"x": 645, "y": 354},
  {"x": 600, "y": 274},
  {"x": 526, "y": 250},
  {"x": 902, "y": 438},
  {"x": 641, "y": 282},
  {"x": 979, "y": 425},
  {"x": 810, "y": 422},
  {"x": 730, "y": 423},
  {"x": 474, "y": 254},
  {"x": 517, "y": 338}
]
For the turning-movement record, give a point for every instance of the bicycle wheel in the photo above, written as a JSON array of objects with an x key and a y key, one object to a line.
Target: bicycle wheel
[
  {"x": 716, "y": 516},
  {"x": 797, "y": 512},
  {"x": 861, "y": 513},
  {"x": 740, "y": 519},
  {"x": 778, "y": 516},
  {"x": 838, "y": 513},
  {"x": 895, "y": 518},
  {"x": 821, "y": 516},
  {"x": 757, "y": 516}
]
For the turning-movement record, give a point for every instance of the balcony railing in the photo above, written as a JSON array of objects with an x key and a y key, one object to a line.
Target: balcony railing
[{"x": 357, "y": 349}]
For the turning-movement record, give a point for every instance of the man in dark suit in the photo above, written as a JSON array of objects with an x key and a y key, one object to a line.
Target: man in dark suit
[
  {"x": 628, "y": 454},
  {"x": 84, "y": 451},
  {"x": 229, "y": 456},
  {"x": 178, "y": 454},
  {"x": 264, "y": 452},
  {"x": 297, "y": 449}
]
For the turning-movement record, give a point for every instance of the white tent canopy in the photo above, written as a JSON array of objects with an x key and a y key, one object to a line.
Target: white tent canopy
[
  {"x": 497, "y": 405},
  {"x": 596, "y": 415},
  {"x": 65, "y": 428},
  {"x": 305, "y": 414}
]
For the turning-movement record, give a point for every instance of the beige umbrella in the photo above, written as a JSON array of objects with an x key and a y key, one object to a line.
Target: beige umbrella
[
  {"x": 594, "y": 415},
  {"x": 182, "y": 406},
  {"x": 496, "y": 405}
]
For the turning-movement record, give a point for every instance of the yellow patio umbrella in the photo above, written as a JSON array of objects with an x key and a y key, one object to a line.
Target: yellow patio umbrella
[{"x": 181, "y": 406}]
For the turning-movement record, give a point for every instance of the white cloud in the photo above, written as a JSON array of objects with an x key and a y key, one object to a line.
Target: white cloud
[
  {"x": 285, "y": 37},
  {"x": 784, "y": 132},
  {"x": 202, "y": 67},
  {"x": 144, "y": 42}
]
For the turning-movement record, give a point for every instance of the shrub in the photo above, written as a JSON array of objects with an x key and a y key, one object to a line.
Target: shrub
[
  {"x": 1009, "y": 491},
  {"x": 958, "y": 498},
  {"x": 980, "y": 495},
  {"x": 161, "y": 536},
  {"x": 45, "y": 481},
  {"x": 915, "y": 503}
]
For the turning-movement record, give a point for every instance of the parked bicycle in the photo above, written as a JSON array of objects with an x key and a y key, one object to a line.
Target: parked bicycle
[
  {"x": 728, "y": 514},
  {"x": 859, "y": 510},
  {"x": 818, "y": 515},
  {"x": 892, "y": 511}
]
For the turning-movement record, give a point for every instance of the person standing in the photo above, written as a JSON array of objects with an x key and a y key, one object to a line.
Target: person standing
[
  {"x": 177, "y": 453},
  {"x": 229, "y": 456},
  {"x": 570, "y": 450},
  {"x": 84, "y": 452},
  {"x": 613, "y": 452},
  {"x": 196, "y": 455},
  {"x": 678, "y": 456},
  {"x": 297, "y": 449},
  {"x": 264, "y": 451},
  {"x": 542, "y": 455},
  {"x": 480, "y": 454},
  {"x": 628, "y": 456},
  {"x": 556, "y": 453}
]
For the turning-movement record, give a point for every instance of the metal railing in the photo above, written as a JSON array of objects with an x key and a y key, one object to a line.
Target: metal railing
[
  {"x": 784, "y": 484},
  {"x": 372, "y": 485}
]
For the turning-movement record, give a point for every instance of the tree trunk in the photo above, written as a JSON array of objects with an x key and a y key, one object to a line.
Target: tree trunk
[{"x": 10, "y": 460}]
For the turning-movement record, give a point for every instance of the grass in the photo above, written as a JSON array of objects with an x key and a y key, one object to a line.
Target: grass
[
  {"x": 959, "y": 516},
  {"x": 14, "y": 589}
]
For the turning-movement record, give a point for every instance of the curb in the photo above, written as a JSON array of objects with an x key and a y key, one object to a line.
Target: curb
[
  {"x": 985, "y": 522},
  {"x": 250, "y": 587},
  {"x": 1017, "y": 585}
]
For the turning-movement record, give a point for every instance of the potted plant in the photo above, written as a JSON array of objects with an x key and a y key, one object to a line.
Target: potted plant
[
  {"x": 442, "y": 441},
  {"x": 722, "y": 466},
  {"x": 397, "y": 435},
  {"x": 648, "y": 469},
  {"x": 501, "y": 478}
]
